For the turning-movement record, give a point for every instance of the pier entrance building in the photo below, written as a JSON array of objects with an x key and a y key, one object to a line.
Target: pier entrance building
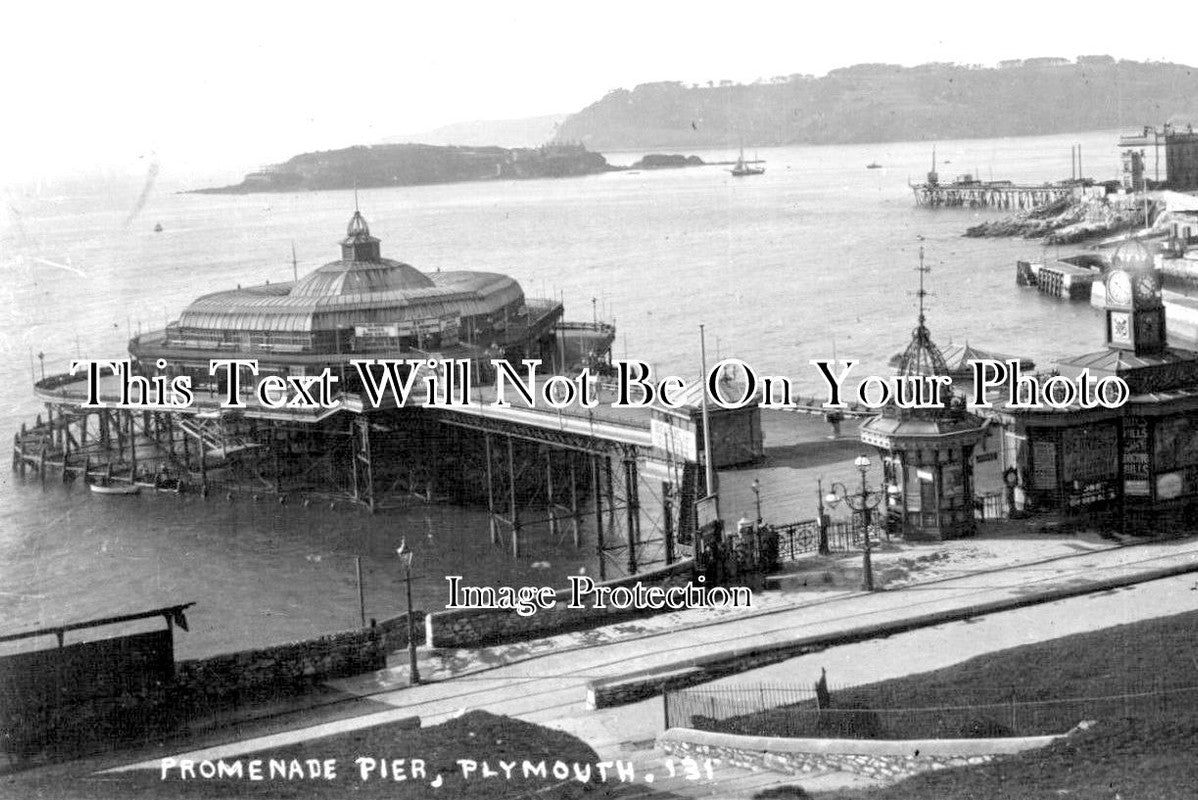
[{"x": 1135, "y": 466}]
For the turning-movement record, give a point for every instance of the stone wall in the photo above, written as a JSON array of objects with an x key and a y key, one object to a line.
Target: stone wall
[
  {"x": 884, "y": 760},
  {"x": 480, "y": 627},
  {"x": 633, "y": 687},
  {"x": 286, "y": 667}
]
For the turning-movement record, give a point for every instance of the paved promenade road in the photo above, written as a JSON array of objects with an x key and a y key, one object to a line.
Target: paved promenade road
[{"x": 550, "y": 689}]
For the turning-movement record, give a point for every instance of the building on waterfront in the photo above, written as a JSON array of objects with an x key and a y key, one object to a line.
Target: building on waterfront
[
  {"x": 1142, "y": 162},
  {"x": 1134, "y": 467},
  {"x": 365, "y": 306},
  {"x": 928, "y": 458}
]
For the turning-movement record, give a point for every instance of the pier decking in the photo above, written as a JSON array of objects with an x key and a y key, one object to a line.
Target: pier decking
[{"x": 997, "y": 194}]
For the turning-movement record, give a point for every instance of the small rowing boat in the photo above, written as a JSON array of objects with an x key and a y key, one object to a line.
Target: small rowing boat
[{"x": 114, "y": 488}]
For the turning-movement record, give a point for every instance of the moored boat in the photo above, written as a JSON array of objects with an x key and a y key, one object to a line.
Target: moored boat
[
  {"x": 114, "y": 488},
  {"x": 743, "y": 168}
]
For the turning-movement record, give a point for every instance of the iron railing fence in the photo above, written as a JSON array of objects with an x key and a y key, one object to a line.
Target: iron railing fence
[
  {"x": 795, "y": 712},
  {"x": 796, "y": 539}
]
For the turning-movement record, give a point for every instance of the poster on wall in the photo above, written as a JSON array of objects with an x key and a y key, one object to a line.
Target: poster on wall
[
  {"x": 1175, "y": 443},
  {"x": 1135, "y": 458},
  {"x": 1090, "y": 453},
  {"x": 1044, "y": 465}
]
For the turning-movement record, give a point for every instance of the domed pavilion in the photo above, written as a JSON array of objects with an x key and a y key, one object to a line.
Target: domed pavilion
[{"x": 359, "y": 306}]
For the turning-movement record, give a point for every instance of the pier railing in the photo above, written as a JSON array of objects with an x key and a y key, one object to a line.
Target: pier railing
[{"x": 797, "y": 539}]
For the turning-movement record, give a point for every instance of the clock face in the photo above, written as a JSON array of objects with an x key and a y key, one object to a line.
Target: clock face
[
  {"x": 1118, "y": 288},
  {"x": 1147, "y": 287}
]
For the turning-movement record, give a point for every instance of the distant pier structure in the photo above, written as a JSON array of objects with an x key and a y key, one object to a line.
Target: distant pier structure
[{"x": 969, "y": 191}]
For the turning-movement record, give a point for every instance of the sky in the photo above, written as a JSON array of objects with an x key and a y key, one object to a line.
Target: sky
[{"x": 228, "y": 86}]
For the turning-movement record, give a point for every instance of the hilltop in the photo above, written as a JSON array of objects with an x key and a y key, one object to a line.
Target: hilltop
[
  {"x": 524, "y": 132},
  {"x": 887, "y": 102}
]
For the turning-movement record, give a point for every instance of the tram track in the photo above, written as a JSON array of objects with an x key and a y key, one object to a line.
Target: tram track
[{"x": 528, "y": 695}]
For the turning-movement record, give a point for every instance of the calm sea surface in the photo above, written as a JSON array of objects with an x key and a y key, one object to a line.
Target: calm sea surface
[{"x": 817, "y": 253}]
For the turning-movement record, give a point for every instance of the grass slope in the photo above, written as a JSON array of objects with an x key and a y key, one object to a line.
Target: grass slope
[
  {"x": 1149, "y": 753},
  {"x": 475, "y": 736}
]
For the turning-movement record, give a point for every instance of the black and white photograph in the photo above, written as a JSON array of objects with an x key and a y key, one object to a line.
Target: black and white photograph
[{"x": 638, "y": 400}]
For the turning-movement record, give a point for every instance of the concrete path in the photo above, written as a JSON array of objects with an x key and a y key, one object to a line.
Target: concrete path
[{"x": 550, "y": 688}]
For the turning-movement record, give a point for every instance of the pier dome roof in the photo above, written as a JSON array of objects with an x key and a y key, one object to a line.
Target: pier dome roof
[
  {"x": 360, "y": 288},
  {"x": 361, "y": 277},
  {"x": 360, "y": 270}
]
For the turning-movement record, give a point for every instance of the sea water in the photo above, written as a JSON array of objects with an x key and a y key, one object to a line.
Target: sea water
[{"x": 815, "y": 258}]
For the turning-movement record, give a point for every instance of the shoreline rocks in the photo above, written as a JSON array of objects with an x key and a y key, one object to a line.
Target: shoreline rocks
[{"x": 1066, "y": 221}]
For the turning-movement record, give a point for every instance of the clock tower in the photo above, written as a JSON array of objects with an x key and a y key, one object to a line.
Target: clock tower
[{"x": 1135, "y": 315}]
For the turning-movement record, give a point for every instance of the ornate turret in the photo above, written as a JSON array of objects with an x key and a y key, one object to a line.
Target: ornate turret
[
  {"x": 927, "y": 453},
  {"x": 922, "y": 358},
  {"x": 359, "y": 245}
]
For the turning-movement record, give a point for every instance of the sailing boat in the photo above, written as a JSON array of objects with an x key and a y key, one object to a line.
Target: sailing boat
[{"x": 742, "y": 167}]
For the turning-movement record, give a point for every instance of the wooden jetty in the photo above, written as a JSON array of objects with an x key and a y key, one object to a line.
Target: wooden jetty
[{"x": 968, "y": 193}]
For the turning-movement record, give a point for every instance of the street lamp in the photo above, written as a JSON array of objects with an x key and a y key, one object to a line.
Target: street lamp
[
  {"x": 757, "y": 498},
  {"x": 863, "y": 501},
  {"x": 405, "y": 556},
  {"x": 824, "y": 549}
]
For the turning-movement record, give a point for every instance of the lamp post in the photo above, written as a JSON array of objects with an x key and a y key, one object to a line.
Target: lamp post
[
  {"x": 824, "y": 549},
  {"x": 757, "y": 498},
  {"x": 863, "y": 501},
  {"x": 405, "y": 557}
]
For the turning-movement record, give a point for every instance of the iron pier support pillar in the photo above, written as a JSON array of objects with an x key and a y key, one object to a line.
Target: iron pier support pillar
[
  {"x": 612, "y": 517},
  {"x": 515, "y": 511},
  {"x": 491, "y": 523},
  {"x": 667, "y": 519},
  {"x": 203, "y": 454},
  {"x": 597, "y": 474},
  {"x": 274, "y": 449},
  {"x": 132, "y": 445},
  {"x": 632, "y": 509},
  {"x": 549, "y": 493},
  {"x": 353, "y": 458},
  {"x": 363, "y": 457},
  {"x": 575, "y": 527}
]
